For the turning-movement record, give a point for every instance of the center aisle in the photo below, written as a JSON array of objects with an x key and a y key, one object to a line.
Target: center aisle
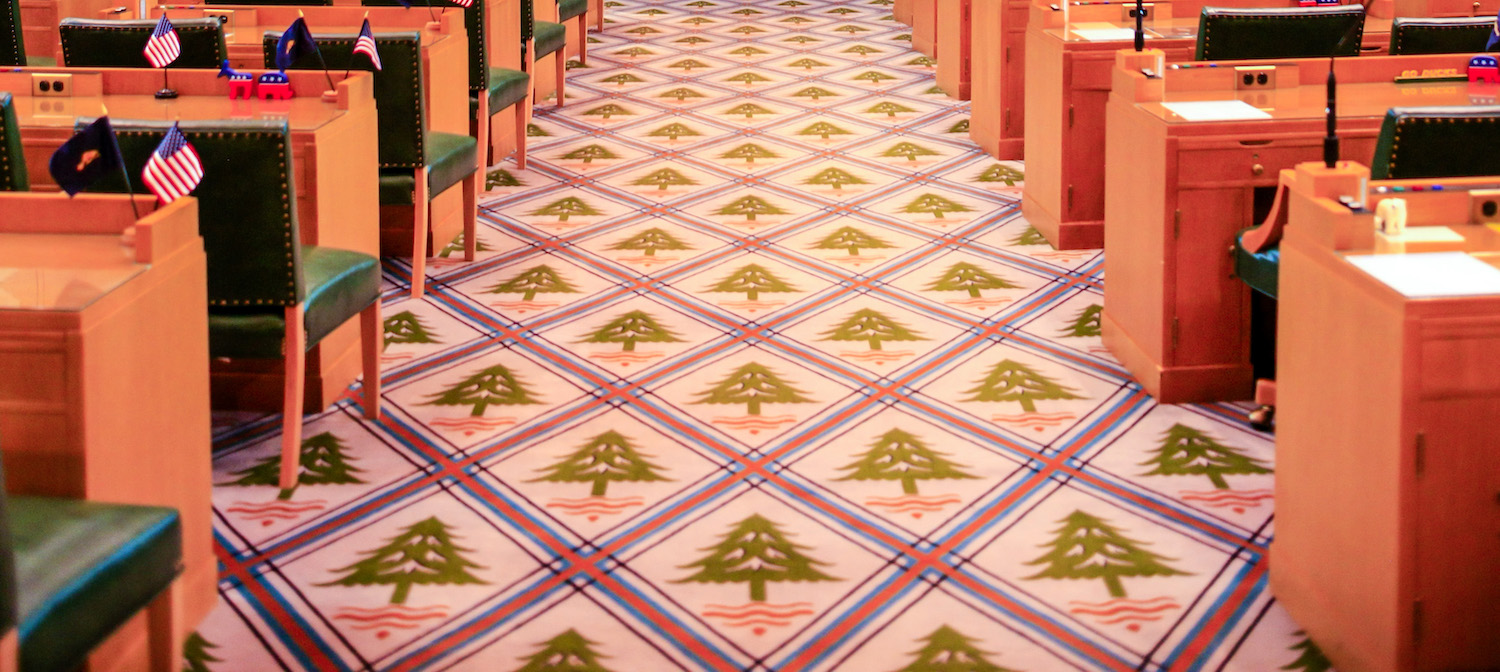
[{"x": 759, "y": 369}]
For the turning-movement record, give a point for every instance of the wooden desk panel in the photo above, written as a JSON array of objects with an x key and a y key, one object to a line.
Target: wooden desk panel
[
  {"x": 333, "y": 154},
  {"x": 924, "y": 27},
  {"x": 1386, "y": 474},
  {"x": 106, "y": 368},
  {"x": 1174, "y": 313},
  {"x": 39, "y": 19},
  {"x": 954, "y": 30}
]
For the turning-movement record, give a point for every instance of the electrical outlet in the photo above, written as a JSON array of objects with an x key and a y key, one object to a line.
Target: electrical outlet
[
  {"x": 56, "y": 85},
  {"x": 1484, "y": 206},
  {"x": 1127, "y": 12},
  {"x": 1254, "y": 77}
]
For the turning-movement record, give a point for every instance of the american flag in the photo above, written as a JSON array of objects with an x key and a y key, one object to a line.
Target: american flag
[
  {"x": 463, "y": 3},
  {"x": 365, "y": 44},
  {"x": 162, "y": 48},
  {"x": 173, "y": 169}
]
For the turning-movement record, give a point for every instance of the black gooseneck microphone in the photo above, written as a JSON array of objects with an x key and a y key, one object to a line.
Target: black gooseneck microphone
[
  {"x": 1331, "y": 140},
  {"x": 1140, "y": 28}
]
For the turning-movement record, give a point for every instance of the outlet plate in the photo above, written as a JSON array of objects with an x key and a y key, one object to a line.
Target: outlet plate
[
  {"x": 1127, "y": 13},
  {"x": 1254, "y": 77},
  {"x": 1484, "y": 206},
  {"x": 52, "y": 84}
]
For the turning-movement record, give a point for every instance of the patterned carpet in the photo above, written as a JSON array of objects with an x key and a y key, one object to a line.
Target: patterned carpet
[{"x": 760, "y": 369}]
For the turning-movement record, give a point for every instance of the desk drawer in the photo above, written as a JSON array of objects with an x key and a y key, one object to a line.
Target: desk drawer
[{"x": 1250, "y": 162}]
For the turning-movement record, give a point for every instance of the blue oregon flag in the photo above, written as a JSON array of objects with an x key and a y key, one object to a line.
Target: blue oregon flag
[
  {"x": 295, "y": 43},
  {"x": 86, "y": 157}
]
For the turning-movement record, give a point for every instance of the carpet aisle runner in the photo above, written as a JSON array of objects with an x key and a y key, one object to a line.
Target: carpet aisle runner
[{"x": 759, "y": 368}]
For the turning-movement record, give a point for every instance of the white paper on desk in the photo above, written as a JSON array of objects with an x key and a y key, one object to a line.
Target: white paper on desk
[
  {"x": 1104, "y": 34},
  {"x": 1216, "y": 110},
  {"x": 1431, "y": 274}
]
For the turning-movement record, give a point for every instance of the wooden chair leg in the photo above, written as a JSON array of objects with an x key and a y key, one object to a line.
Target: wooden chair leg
[
  {"x": 597, "y": 9},
  {"x": 372, "y": 333},
  {"x": 163, "y": 618},
  {"x": 562, "y": 75},
  {"x": 10, "y": 651},
  {"x": 421, "y": 208},
  {"x": 291, "y": 421},
  {"x": 482, "y": 131},
  {"x": 583, "y": 38},
  {"x": 521, "y": 121},
  {"x": 471, "y": 215}
]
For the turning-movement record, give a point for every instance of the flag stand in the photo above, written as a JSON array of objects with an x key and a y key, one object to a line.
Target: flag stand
[{"x": 166, "y": 92}]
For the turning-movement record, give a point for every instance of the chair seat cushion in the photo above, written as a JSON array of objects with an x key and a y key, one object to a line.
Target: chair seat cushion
[
  {"x": 340, "y": 283},
  {"x": 549, "y": 37},
  {"x": 83, "y": 568},
  {"x": 507, "y": 87},
  {"x": 1261, "y": 269},
  {"x": 571, "y": 9},
  {"x": 450, "y": 159}
]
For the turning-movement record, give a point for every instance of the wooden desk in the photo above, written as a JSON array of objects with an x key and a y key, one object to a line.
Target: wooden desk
[
  {"x": 1067, "y": 90},
  {"x": 953, "y": 30},
  {"x": 39, "y": 19},
  {"x": 1174, "y": 313},
  {"x": 1387, "y": 525},
  {"x": 997, "y": 120},
  {"x": 924, "y": 27},
  {"x": 104, "y": 349},
  {"x": 1435, "y": 8},
  {"x": 333, "y": 155},
  {"x": 901, "y": 11}
]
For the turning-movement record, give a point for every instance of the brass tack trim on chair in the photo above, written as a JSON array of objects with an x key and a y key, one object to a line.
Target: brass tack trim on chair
[{"x": 103, "y": 29}]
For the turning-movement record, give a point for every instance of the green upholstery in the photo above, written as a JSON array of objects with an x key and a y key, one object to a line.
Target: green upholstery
[
  {"x": 571, "y": 9},
  {"x": 1425, "y": 142},
  {"x": 256, "y": 264},
  {"x": 1261, "y": 269},
  {"x": 12, "y": 162},
  {"x": 340, "y": 283},
  {"x": 474, "y": 26},
  {"x": 452, "y": 158},
  {"x": 398, "y": 88},
  {"x": 550, "y": 37},
  {"x": 100, "y": 43},
  {"x": 1458, "y": 35},
  {"x": 507, "y": 87},
  {"x": 12, "y": 44},
  {"x": 1226, "y": 33},
  {"x": 83, "y": 569}
]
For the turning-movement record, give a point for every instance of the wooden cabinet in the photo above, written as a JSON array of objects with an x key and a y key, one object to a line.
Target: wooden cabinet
[
  {"x": 953, "y": 30},
  {"x": 1387, "y": 475},
  {"x": 1174, "y": 313},
  {"x": 998, "y": 78},
  {"x": 924, "y": 27},
  {"x": 39, "y": 20},
  {"x": 104, "y": 354}
]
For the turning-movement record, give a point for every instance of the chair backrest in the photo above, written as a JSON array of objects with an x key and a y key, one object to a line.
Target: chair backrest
[
  {"x": 12, "y": 162},
  {"x": 474, "y": 25},
  {"x": 1455, "y": 35},
  {"x": 12, "y": 45},
  {"x": 1227, "y": 33},
  {"x": 399, "y": 99},
  {"x": 528, "y": 25},
  {"x": 247, "y": 203},
  {"x": 1430, "y": 142},
  {"x": 103, "y": 43}
]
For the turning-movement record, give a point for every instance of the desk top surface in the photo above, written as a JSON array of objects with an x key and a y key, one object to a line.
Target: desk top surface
[
  {"x": 62, "y": 272},
  {"x": 303, "y": 113},
  {"x": 1175, "y": 28},
  {"x": 1308, "y": 102}
]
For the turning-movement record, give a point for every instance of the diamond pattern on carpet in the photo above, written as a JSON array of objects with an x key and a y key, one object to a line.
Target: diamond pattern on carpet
[{"x": 759, "y": 368}]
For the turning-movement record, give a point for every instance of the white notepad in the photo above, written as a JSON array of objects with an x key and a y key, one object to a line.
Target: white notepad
[
  {"x": 1216, "y": 110},
  {"x": 1104, "y": 34},
  {"x": 1431, "y": 274}
]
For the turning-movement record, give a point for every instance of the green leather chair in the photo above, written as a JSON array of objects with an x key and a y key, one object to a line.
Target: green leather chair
[
  {"x": 576, "y": 10},
  {"x": 269, "y": 296},
  {"x": 1456, "y": 35},
  {"x": 104, "y": 43},
  {"x": 72, "y": 572},
  {"x": 12, "y": 44},
  {"x": 1423, "y": 142},
  {"x": 12, "y": 161},
  {"x": 415, "y": 164},
  {"x": 540, "y": 39},
  {"x": 1414, "y": 143},
  {"x": 504, "y": 87},
  {"x": 1228, "y": 33}
]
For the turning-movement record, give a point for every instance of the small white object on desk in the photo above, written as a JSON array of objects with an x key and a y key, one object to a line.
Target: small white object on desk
[
  {"x": 1104, "y": 34},
  {"x": 1433, "y": 274},
  {"x": 1216, "y": 110}
]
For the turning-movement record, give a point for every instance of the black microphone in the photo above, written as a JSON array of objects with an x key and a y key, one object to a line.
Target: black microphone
[
  {"x": 1331, "y": 140},
  {"x": 1140, "y": 29}
]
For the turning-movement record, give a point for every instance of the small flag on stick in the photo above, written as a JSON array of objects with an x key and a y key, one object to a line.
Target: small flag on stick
[
  {"x": 297, "y": 41},
  {"x": 365, "y": 44},
  {"x": 162, "y": 47},
  {"x": 86, "y": 157},
  {"x": 173, "y": 170}
]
